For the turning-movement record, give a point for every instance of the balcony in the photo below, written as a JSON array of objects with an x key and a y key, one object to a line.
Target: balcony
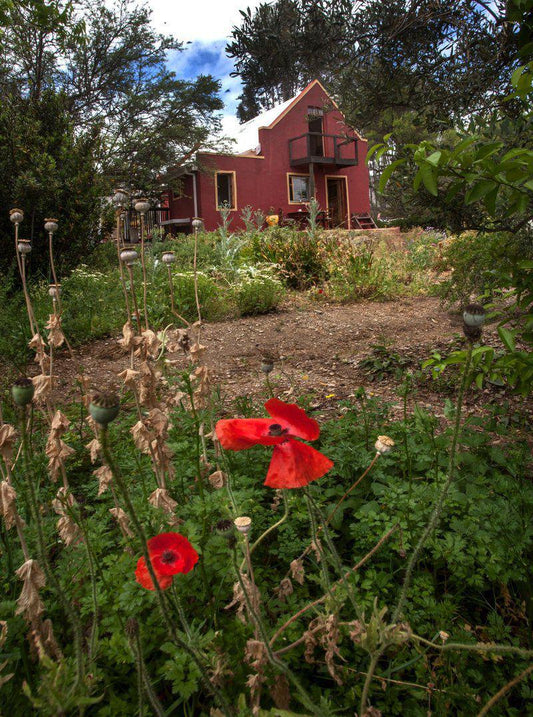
[{"x": 318, "y": 148}]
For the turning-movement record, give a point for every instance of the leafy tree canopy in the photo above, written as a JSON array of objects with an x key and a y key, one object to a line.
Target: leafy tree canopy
[{"x": 88, "y": 102}]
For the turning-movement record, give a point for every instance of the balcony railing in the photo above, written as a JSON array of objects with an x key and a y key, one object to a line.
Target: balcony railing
[
  {"x": 321, "y": 148},
  {"x": 132, "y": 223}
]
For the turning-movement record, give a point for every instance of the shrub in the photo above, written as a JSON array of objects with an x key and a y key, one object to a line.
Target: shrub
[
  {"x": 257, "y": 292},
  {"x": 481, "y": 263},
  {"x": 298, "y": 258}
]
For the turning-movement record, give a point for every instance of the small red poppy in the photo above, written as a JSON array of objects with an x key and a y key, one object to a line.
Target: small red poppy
[
  {"x": 144, "y": 578},
  {"x": 294, "y": 464},
  {"x": 170, "y": 553}
]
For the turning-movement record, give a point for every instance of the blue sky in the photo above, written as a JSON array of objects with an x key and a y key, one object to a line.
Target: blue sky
[{"x": 204, "y": 26}]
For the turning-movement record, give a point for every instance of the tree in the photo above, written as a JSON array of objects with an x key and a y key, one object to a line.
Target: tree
[
  {"x": 88, "y": 103},
  {"x": 381, "y": 58}
]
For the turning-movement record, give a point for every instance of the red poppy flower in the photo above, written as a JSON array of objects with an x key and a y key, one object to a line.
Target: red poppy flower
[
  {"x": 170, "y": 553},
  {"x": 144, "y": 578},
  {"x": 294, "y": 464}
]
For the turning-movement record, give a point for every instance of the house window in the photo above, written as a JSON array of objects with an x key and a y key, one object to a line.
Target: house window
[
  {"x": 298, "y": 188},
  {"x": 226, "y": 193}
]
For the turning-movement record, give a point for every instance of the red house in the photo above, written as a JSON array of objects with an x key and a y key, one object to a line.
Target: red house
[{"x": 283, "y": 157}]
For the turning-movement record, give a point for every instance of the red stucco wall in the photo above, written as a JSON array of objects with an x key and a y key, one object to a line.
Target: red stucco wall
[{"x": 262, "y": 182}]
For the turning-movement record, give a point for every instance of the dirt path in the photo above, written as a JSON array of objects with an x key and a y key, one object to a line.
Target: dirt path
[{"x": 316, "y": 348}]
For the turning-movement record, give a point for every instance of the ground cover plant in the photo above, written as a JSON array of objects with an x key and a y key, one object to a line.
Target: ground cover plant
[{"x": 161, "y": 555}]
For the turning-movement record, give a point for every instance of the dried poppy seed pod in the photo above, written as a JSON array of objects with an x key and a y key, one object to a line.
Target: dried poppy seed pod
[
  {"x": 22, "y": 391},
  {"x": 243, "y": 524},
  {"x": 104, "y": 407},
  {"x": 120, "y": 197},
  {"x": 224, "y": 528},
  {"x": 474, "y": 315},
  {"x": 50, "y": 225},
  {"x": 128, "y": 255},
  {"x": 142, "y": 205},
  {"x": 168, "y": 257},
  {"x": 384, "y": 444},
  {"x": 54, "y": 290},
  {"x": 16, "y": 216},
  {"x": 197, "y": 223},
  {"x": 24, "y": 246}
]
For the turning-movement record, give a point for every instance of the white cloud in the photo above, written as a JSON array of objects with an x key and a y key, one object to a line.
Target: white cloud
[{"x": 205, "y": 20}]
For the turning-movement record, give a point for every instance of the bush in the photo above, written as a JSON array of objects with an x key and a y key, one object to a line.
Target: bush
[
  {"x": 482, "y": 263},
  {"x": 257, "y": 292},
  {"x": 299, "y": 259}
]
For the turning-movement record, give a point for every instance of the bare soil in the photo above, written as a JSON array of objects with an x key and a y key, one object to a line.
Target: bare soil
[{"x": 317, "y": 349}]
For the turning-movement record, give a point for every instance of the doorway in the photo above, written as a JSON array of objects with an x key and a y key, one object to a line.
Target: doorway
[
  {"x": 337, "y": 201},
  {"x": 316, "y": 128}
]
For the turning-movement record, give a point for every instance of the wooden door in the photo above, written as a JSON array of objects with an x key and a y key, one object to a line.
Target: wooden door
[{"x": 337, "y": 202}]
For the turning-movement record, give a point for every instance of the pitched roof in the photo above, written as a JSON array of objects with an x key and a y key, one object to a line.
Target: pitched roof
[{"x": 247, "y": 136}]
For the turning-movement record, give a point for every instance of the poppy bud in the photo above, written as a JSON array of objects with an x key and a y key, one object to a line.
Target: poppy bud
[
  {"x": 384, "y": 444},
  {"x": 104, "y": 407},
  {"x": 224, "y": 528},
  {"x": 22, "y": 391},
  {"x": 474, "y": 315},
  {"x": 267, "y": 364},
  {"x": 243, "y": 524},
  {"x": 197, "y": 223}
]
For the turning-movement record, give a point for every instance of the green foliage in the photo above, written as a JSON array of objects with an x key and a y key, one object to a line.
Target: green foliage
[
  {"x": 296, "y": 255},
  {"x": 383, "y": 362},
  {"x": 257, "y": 291}
]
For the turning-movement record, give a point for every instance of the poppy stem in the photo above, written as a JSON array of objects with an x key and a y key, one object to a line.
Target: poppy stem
[
  {"x": 305, "y": 698},
  {"x": 272, "y": 527},
  {"x": 439, "y": 505},
  {"x": 41, "y": 542},
  {"x": 161, "y": 597},
  {"x": 316, "y": 543},
  {"x": 333, "y": 551},
  {"x": 352, "y": 487}
]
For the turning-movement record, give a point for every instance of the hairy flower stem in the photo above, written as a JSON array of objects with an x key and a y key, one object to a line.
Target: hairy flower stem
[
  {"x": 160, "y": 595},
  {"x": 181, "y": 613},
  {"x": 43, "y": 555},
  {"x": 336, "y": 561},
  {"x": 272, "y": 527},
  {"x": 305, "y": 698},
  {"x": 366, "y": 687},
  {"x": 437, "y": 510},
  {"x": 314, "y": 537},
  {"x": 143, "y": 678}
]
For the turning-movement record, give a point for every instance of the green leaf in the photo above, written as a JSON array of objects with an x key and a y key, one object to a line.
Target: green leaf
[
  {"x": 429, "y": 179},
  {"x": 374, "y": 149},
  {"x": 479, "y": 190},
  {"x": 387, "y": 172},
  {"x": 508, "y": 338}
]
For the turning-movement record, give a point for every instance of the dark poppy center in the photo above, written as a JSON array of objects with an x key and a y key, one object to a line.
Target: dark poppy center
[
  {"x": 276, "y": 430},
  {"x": 168, "y": 556}
]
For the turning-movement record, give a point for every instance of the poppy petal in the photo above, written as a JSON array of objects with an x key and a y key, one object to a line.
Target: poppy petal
[
  {"x": 296, "y": 464},
  {"x": 172, "y": 553},
  {"x": 237, "y": 434},
  {"x": 143, "y": 577},
  {"x": 294, "y": 418}
]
